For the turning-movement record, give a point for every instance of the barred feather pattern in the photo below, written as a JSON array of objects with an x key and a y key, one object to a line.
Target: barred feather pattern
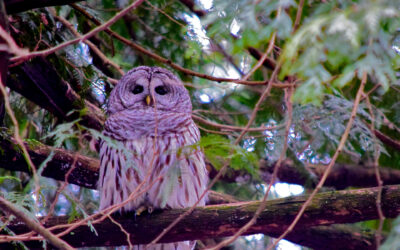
[{"x": 152, "y": 154}]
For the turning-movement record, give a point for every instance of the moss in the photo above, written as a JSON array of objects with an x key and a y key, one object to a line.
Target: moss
[{"x": 33, "y": 144}]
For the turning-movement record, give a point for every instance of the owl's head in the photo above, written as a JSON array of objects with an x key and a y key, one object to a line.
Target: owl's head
[{"x": 149, "y": 88}]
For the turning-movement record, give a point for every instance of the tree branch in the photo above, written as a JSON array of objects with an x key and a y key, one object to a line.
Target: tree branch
[
  {"x": 168, "y": 62},
  {"x": 85, "y": 173},
  {"x": 341, "y": 177},
  {"x": 224, "y": 220},
  {"x": 35, "y": 226},
  {"x": 39, "y": 82},
  {"x": 387, "y": 140}
]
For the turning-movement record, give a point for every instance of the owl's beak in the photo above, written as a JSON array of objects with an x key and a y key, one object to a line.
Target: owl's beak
[{"x": 148, "y": 100}]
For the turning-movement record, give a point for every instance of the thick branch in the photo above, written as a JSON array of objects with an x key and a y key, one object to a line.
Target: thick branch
[
  {"x": 32, "y": 224},
  {"x": 341, "y": 177},
  {"x": 224, "y": 220},
  {"x": 387, "y": 140},
  {"x": 85, "y": 172},
  {"x": 15, "y": 6},
  {"x": 39, "y": 82}
]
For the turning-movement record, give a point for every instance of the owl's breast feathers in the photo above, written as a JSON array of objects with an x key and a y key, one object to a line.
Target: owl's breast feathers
[{"x": 161, "y": 167}]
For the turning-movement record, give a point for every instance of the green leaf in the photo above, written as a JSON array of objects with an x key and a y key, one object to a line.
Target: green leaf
[
  {"x": 13, "y": 178},
  {"x": 311, "y": 91},
  {"x": 220, "y": 150}
]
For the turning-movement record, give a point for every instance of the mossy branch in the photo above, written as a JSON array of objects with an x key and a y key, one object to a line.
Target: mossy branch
[{"x": 225, "y": 219}]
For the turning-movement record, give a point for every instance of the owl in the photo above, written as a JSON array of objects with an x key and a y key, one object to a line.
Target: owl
[{"x": 150, "y": 147}]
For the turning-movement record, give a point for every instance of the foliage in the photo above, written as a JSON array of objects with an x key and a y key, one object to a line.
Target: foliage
[{"x": 219, "y": 149}]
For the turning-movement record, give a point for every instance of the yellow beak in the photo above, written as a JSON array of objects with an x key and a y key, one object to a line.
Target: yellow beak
[{"x": 148, "y": 99}]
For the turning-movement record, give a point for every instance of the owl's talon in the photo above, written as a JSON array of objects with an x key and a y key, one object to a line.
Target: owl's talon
[{"x": 140, "y": 210}]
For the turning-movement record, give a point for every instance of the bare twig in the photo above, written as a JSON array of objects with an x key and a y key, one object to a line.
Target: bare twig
[
  {"x": 262, "y": 97},
  {"x": 263, "y": 201},
  {"x": 233, "y": 128},
  {"x": 224, "y": 167},
  {"x": 263, "y": 58},
  {"x": 54, "y": 240},
  {"x": 165, "y": 14},
  {"x": 128, "y": 236},
  {"x": 174, "y": 65},
  {"x": 12, "y": 47},
  {"x": 378, "y": 234},
  {"x": 298, "y": 16},
  {"x": 331, "y": 163},
  {"x": 91, "y": 33},
  {"x": 18, "y": 138},
  {"x": 89, "y": 43}
]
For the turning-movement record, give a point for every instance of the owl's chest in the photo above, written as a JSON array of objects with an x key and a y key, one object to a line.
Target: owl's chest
[
  {"x": 151, "y": 151},
  {"x": 162, "y": 171}
]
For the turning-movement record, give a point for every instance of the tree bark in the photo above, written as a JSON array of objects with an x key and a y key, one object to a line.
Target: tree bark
[
  {"x": 86, "y": 169},
  {"x": 224, "y": 220},
  {"x": 39, "y": 82}
]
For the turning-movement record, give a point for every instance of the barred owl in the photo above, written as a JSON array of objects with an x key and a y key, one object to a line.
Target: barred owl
[{"x": 151, "y": 148}]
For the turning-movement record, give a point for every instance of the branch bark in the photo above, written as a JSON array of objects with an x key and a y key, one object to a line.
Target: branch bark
[
  {"x": 224, "y": 220},
  {"x": 32, "y": 224},
  {"x": 85, "y": 173},
  {"x": 39, "y": 82},
  {"x": 341, "y": 177}
]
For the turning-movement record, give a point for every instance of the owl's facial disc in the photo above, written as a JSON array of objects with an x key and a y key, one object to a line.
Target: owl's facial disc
[
  {"x": 149, "y": 88},
  {"x": 168, "y": 94}
]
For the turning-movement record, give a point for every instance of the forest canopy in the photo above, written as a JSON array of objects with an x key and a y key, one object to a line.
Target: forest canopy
[{"x": 297, "y": 102}]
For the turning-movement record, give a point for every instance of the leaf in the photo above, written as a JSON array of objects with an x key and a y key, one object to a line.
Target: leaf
[
  {"x": 311, "y": 91},
  {"x": 13, "y": 178},
  {"x": 219, "y": 151},
  {"x": 346, "y": 77}
]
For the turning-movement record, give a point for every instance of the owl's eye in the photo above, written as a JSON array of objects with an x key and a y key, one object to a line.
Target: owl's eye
[
  {"x": 137, "y": 90},
  {"x": 161, "y": 90}
]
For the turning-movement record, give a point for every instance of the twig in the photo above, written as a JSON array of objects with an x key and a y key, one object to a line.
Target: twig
[
  {"x": 378, "y": 234},
  {"x": 91, "y": 33},
  {"x": 128, "y": 236},
  {"x": 233, "y": 128},
  {"x": 18, "y": 138},
  {"x": 59, "y": 190},
  {"x": 93, "y": 47},
  {"x": 35, "y": 226},
  {"x": 174, "y": 65},
  {"x": 262, "y": 97},
  {"x": 12, "y": 47},
  {"x": 331, "y": 163},
  {"x": 263, "y": 201},
  {"x": 263, "y": 58},
  {"x": 165, "y": 14},
  {"x": 298, "y": 16},
  {"x": 228, "y": 57}
]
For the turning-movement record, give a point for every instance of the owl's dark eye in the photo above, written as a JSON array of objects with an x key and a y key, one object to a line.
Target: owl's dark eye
[
  {"x": 137, "y": 90},
  {"x": 161, "y": 90}
]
